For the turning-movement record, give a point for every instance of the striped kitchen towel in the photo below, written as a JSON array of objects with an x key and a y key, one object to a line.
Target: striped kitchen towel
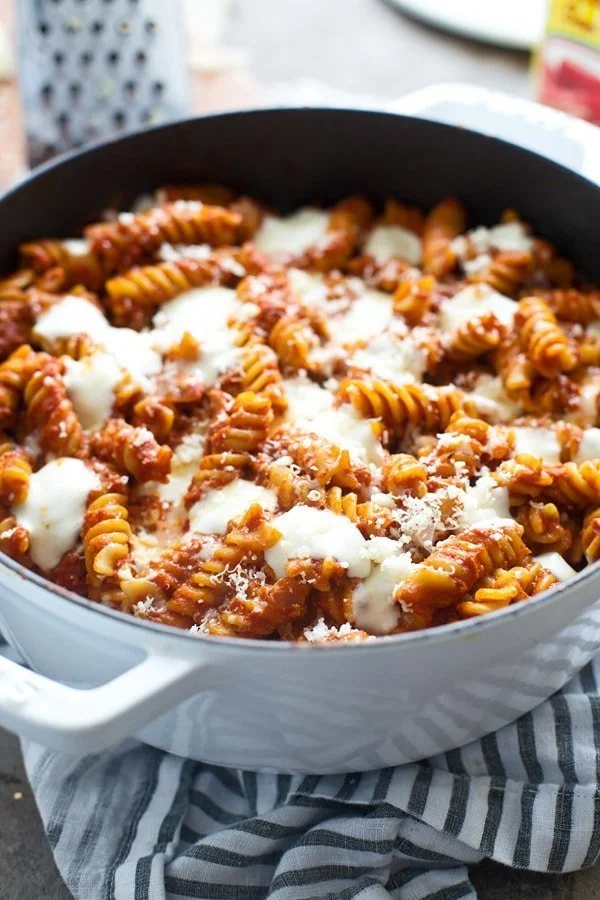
[{"x": 135, "y": 823}]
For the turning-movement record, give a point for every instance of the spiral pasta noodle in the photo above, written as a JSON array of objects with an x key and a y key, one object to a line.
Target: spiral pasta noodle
[
  {"x": 155, "y": 415},
  {"x": 15, "y": 472},
  {"x": 251, "y": 535},
  {"x": 445, "y": 222},
  {"x": 543, "y": 526},
  {"x": 507, "y": 586},
  {"x": 590, "y": 536},
  {"x": 144, "y": 288},
  {"x": 347, "y": 222},
  {"x": 245, "y": 427},
  {"x": 50, "y": 412},
  {"x": 132, "y": 238},
  {"x": 454, "y": 567},
  {"x": 547, "y": 347},
  {"x": 573, "y": 305},
  {"x": 401, "y": 405},
  {"x": 215, "y": 471},
  {"x": 506, "y": 272},
  {"x": 133, "y": 451},
  {"x": 404, "y": 474},
  {"x": 69, "y": 268},
  {"x": 412, "y": 298},
  {"x": 475, "y": 338},
  {"x": 15, "y": 372},
  {"x": 106, "y": 536}
]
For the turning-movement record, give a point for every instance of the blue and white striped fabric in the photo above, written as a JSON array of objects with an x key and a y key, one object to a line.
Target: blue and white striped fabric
[{"x": 138, "y": 823}]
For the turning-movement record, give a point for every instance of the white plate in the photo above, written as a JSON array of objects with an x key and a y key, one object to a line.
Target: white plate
[{"x": 510, "y": 23}]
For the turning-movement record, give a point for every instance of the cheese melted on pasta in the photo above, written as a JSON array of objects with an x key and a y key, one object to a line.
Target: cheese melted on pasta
[{"x": 318, "y": 427}]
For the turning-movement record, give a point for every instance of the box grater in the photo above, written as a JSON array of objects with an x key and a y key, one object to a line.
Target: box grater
[{"x": 94, "y": 68}]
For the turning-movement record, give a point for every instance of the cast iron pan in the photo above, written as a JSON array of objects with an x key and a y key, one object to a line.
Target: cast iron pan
[{"x": 296, "y": 156}]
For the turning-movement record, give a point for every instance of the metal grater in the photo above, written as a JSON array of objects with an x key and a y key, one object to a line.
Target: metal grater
[{"x": 90, "y": 69}]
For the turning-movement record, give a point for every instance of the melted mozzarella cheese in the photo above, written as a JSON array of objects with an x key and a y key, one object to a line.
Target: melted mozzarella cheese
[
  {"x": 211, "y": 514},
  {"x": 203, "y": 313},
  {"x": 472, "y": 303},
  {"x": 348, "y": 431},
  {"x": 588, "y": 399},
  {"x": 76, "y": 246},
  {"x": 310, "y": 408},
  {"x": 54, "y": 510},
  {"x": 375, "y": 609},
  {"x": 316, "y": 534},
  {"x": 131, "y": 349},
  {"x": 305, "y": 398},
  {"x": 72, "y": 315},
  {"x": 492, "y": 401},
  {"x": 293, "y": 234},
  {"x": 589, "y": 447},
  {"x": 392, "y": 358},
  {"x": 554, "y": 562},
  {"x": 369, "y": 315},
  {"x": 539, "y": 442},
  {"x": 388, "y": 241},
  {"x": 485, "y": 502},
  {"x": 90, "y": 383},
  {"x": 184, "y": 465},
  {"x": 510, "y": 237},
  {"x": 309, "y": 287}
]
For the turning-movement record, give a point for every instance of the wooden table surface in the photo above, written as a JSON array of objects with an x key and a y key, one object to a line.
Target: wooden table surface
[{"x": 360, "y": 45}]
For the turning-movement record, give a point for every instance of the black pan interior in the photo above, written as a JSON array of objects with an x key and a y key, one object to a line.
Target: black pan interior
[{"x": 292, "y": 157}]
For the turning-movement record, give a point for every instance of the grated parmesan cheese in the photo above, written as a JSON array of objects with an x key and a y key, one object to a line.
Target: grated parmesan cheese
[
  {"x": 321, "y": 631},
  {"x": 54, "y": 509},
  {"x": 485, "y": 501},
  {"x": 317, "y": 533}
]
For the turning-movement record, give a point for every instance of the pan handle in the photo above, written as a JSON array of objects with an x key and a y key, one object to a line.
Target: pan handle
[{"x": 80, "y": 721}]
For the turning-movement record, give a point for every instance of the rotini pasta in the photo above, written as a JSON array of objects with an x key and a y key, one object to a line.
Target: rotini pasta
[
  {"x": 132, "y": 237},
  {"x": 318, "y": 427}
]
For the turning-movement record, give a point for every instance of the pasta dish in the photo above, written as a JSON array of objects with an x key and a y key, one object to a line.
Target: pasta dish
[{"x": 324, "y": 426}]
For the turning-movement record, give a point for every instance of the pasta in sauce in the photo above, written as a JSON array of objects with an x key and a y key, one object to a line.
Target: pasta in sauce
[{"x": 321, "y": 427}]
